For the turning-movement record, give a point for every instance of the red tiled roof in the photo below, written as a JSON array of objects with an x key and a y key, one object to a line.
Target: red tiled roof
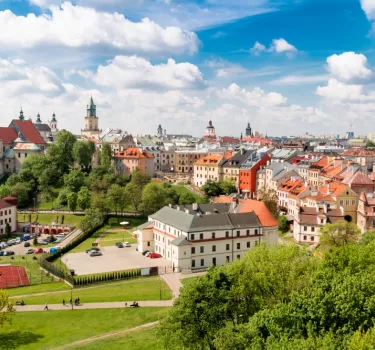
[
  {"x": 29, "y": 131},
  {"x": 7, "y": 134},
  {"x": 210, "y": 160},
  {"x": 5, "y": 204},
  {"x": 132, "y": 153},
  {"x": 248, "y": 205}
]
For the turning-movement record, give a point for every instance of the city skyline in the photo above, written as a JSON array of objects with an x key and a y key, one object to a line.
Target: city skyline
[{"x": 287, "y": 67}]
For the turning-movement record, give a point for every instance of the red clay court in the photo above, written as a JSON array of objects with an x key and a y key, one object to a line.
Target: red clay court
[{"x": 13, "y": 276}]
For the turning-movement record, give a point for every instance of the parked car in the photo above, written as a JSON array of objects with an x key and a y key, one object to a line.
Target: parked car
[
  {"x": 9, "y": 252},
  {"x": 27, "y": 244},
  {"x": 148, "y": 253},
  {"x": 154, "y": 255},
  {"x": 2, "y": 253},
  {"x": 3, "y": 245},
  {"x": 127, "y": 244},
  {"x": 95, "y": 253},
  {"x": 29, "y": 251},
  {"x": 92, "y": 250},
  {"x": 42, "y": 242},
  {"x": 26, "y": 237},
  {"x": 119, "y": 245},
  {"x": 145, "y": 252},
  {"x": 17, "y": 240},
  {"x": 48, "y": 240},
  {"x": 38, "y": 251}
]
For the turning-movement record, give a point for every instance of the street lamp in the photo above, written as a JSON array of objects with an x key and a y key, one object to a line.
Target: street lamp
[
  {"x": 123, "y": 224},
  {"x": 34, "y": 199}
]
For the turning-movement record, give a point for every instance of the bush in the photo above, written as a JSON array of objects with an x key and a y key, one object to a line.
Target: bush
[{"x": 62, "y": 219}]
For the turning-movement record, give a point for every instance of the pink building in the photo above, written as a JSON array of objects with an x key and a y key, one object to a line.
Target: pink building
[{"x": 131, "y": 159}]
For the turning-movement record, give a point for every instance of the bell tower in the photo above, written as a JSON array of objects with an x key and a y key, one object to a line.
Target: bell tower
[{"x": 91, "y": 129}]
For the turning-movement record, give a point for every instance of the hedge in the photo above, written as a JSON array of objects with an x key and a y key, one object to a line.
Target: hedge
[{"x": 105, "y": 277}]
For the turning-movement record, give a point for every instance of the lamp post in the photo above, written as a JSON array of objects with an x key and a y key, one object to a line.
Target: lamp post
[
  {"x": 34, "y": 199},
  {"x": 123, "y": 224},
  {"x": 160, "y": 287}
]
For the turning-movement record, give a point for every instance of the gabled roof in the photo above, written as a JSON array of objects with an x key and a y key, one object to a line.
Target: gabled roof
[
  {"x": 7, "y": 135},
  {"x": 334, "y": 188},
  {"x": 133, "y": 153},
  {"x": 357, "y": 177},
  {"x": 5, "y": 204},
  {"x": 28, "y": 130},
  {"x": 42, "y": 127},
  {"x": 210, "y": 160},
  {"x": 180, "y": 241},
  {"x": 238, "y": 159}
]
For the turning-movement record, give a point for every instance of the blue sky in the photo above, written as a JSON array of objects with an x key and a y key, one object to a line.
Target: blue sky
[{"x": 288, "y": 67}]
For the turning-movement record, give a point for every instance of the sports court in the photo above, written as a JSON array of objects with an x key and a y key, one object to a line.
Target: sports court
[{"x": 13, "y": 276}]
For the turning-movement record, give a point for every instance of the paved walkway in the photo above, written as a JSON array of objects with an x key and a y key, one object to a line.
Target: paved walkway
[
  {"x": 87, "y": 306},
  {"x": 70, "y": 238},
  {"x": 174, "y": 283},
  {"x": 107, "y": 335}
]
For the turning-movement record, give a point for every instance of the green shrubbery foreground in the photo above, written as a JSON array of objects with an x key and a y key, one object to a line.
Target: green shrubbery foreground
[{"x": 280, "y": 298}]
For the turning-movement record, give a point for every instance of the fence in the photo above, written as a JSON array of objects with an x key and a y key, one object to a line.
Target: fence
[{"x": 56, "y": 271}]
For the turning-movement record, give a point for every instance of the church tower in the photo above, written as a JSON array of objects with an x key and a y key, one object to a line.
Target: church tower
[
  {"x": 91, "y": 129},
  {"x": 210, "y": 134},
  {"x": 248, "y": 130},
  {"x": 38, "y": 120},
  {"x": 160, "y": 131},
  {"x": 53, "y": 123}
]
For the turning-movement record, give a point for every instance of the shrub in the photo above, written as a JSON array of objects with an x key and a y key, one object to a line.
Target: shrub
[{"x": 62, "y": 219}]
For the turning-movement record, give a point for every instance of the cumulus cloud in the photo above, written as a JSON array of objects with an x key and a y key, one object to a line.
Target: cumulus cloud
[
  {"x": 258, "y": 48},
  {"x": 76, "y": 26},
  {"x": 368, "y": 7},
  {"x": 337, "y": 90},
  {"x": 299, "y": 79},
  {"x": 136, "y": 72},
  {"x": 256, "y": 97},
  {"x": 349, "y": 66}
]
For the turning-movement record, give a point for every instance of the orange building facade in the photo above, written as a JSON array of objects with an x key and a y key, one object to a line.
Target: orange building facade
[{"x": 131, "y": 159}]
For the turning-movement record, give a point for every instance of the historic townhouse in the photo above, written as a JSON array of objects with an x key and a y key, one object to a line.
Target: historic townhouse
[
  {"x": 134, "y": 158},
  {"x": 208, "y": 168},
  {"x": 8, "y": 214},
  {"x": 366, "y": 212}
]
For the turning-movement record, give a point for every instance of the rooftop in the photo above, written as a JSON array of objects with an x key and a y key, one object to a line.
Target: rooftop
[{"x": 135, "y": 153}]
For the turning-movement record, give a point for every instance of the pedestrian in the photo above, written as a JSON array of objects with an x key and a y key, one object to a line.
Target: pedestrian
[
  {"x": 79, "y": 301},
  {"x": 46, "y": 307},
  {"x": 126, "y": 304},
  {"x": 63, "y": 302}
]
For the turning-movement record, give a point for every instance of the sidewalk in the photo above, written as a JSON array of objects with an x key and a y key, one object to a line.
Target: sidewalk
[
  {"x": 174, "y": 283},
  {"x": 87, "y": 306}
]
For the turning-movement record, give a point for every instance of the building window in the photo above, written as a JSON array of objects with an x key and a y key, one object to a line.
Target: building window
[
  {"x": 227, "y": 234},
  {"x": 148, "y": 244},
  {"x": 201, "y": 236},
  {"x": 321, "y": 221},
  {"x": 312, "y": 238},
  {"x": 192, "y": 250},
  {"x": 227, "y": 259},
  {"x": 248, "y": 244},
  {"x": 341, "y": 203},
  {"x": 312, "y": 229},
  {"x": 214, "y": 248},
  {"x": 238, "y": 245},
  {"x": 304, "y": 238},
  {"x": 227, "y": 247},
  {"x": 19, "y": 155},
  {"x": 214, "y": 261},
  {"x": 256, "y": 231},
  {"x": 201, "y": 249},
  {"x": 213, "y": 235},
  {"x": 247, "y": 232},
  {"x": 238, "y": 256},
  {"x": 193, "y": 263},
  {"x": 202, "y": 262},
  {"x": 238, "y": 233},
  {"x": 305, "y": 228},
  {"x": 192, "y": 236},
  {"x": 353, "y": 202}
]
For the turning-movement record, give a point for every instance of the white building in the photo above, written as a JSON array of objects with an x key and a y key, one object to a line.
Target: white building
[
  {"x": 8, "y": 214},
  {"x": 195, "y": 237}
]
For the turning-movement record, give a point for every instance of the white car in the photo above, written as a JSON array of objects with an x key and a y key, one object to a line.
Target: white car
[
  {"x": 127, "y": 244},
  {"x": 95, "y": 253},
  {"x": 29, "y": 251}
]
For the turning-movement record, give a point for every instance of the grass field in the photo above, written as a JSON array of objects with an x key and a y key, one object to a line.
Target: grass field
[
  {"x": 188, "y": 281},
  {"x": 135, "y": 289},
  {"x": 69, "y": 219},
  {"x": 32, "y": 267},
  {"x": 47, "y": 330},
  {"x": 145, "y": 339},
  {"x": 39, "y": 288},
  {"x": 110, "y": 238}
]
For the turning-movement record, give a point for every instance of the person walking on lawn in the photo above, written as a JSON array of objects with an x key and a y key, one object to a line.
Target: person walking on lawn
[
  {"x": 63, "y": 302},
  {"x": 46, "y": 307}
]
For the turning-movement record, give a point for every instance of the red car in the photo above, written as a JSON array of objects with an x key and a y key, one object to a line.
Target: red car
[
  {"x": 38, "y": 251},
  {"x": 154, "y": 255}
]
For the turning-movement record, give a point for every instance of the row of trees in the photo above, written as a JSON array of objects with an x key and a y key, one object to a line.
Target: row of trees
[
  {"x": 280, "y": 297},
  {"x": 217, "y": 188}
]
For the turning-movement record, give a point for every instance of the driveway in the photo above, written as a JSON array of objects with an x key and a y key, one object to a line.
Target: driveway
[{"x": 113, "y": 259}]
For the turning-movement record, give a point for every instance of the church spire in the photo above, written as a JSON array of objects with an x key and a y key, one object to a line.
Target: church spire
[
  {"x": 22, "y": 118},
  {"x": 54, "y": 117},
  {"x": 38, "y": 120},
  {"x": 91, "y": 108}
]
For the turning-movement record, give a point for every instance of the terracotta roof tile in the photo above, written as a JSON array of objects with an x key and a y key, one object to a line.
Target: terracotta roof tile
[
  {"x": 133, "y": 153},
  {"x": 7, "y": 135},
  {"x": 211, "y": 160},
  {"x": 29, "y": 131}
]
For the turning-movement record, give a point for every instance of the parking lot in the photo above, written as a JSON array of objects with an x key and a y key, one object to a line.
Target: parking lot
[{"x": 113, "y": 259}]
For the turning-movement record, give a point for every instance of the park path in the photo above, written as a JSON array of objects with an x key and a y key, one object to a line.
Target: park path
[
  {"x": 90, "y": 306},
  {"x": 70, "y": 238},
  {"x": 107, "y": 335},
  {"x": 174, "y": 283}
]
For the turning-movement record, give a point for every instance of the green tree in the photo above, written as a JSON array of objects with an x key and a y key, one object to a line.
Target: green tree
[
  {"x": 140, "y": 179},
  {"x": 61, "y": 152},
  {"x": 63, "y": 196},
  {"x": 84, "y": 198},
  {"x": 370, "y": 144},
  {"x": 23, "y": 192},
  {"x": 283, "y": 224},
  {"x": 227, "y": 187},
  {"x": 187, "y": 198},
  {"x": 72, "y": 201},
  {"x": 7, "y": 309},
  {"x": 106, "y": 156},
  {"x": 83, "y": 152},
  {"x": 134, "y": 193},
  {"x": 270, "y": 199},
  {"x": 99, "y": 202},
  {"x": 5, "y": 190},
  {"x": 154, "y": 198},
  {"x": 212, "y": 188},
  {"x": 117, "y": 197},
  {"x": 339, "y": 233},
  {"x": 74, "y": 180},
  {"x": 8, "y": 230}
]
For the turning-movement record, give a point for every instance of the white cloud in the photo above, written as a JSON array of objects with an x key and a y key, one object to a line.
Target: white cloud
[
  {"x": 299, "y": 79},
  {"x": 256, "y": 97},
  {"x": 349, "y": 66},
  {"x": 76, "y": 26},
  {"x": 368, "y": 7},
  {"x": 136, "y": 72},
  {"x": 336, "y": 90},
  {"x": 225, "y": 69},
  {"x": 258, "y": 48},
  {"x": 281, "y": 46}
]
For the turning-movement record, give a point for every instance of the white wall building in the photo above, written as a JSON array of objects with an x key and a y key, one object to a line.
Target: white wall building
[{"x": 8, "y": 214}]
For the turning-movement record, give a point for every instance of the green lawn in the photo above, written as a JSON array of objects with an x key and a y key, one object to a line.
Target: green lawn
[
  {"x": 69, "y": 219},
  {"x": 88, "y": 242},
  {"x": 49, "y": 329},
  {"x": 133, "y": 289},
  {"x": 144, "y": 339},
  {"x": 110, "y": 238},
  {"x": 36, "y": 276},
  {"x": 112, "y": 242},
  {"x": 39, "y": 288},
  {"x": 114, "y": 222},
  {"x": 187, "y": 281}
]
